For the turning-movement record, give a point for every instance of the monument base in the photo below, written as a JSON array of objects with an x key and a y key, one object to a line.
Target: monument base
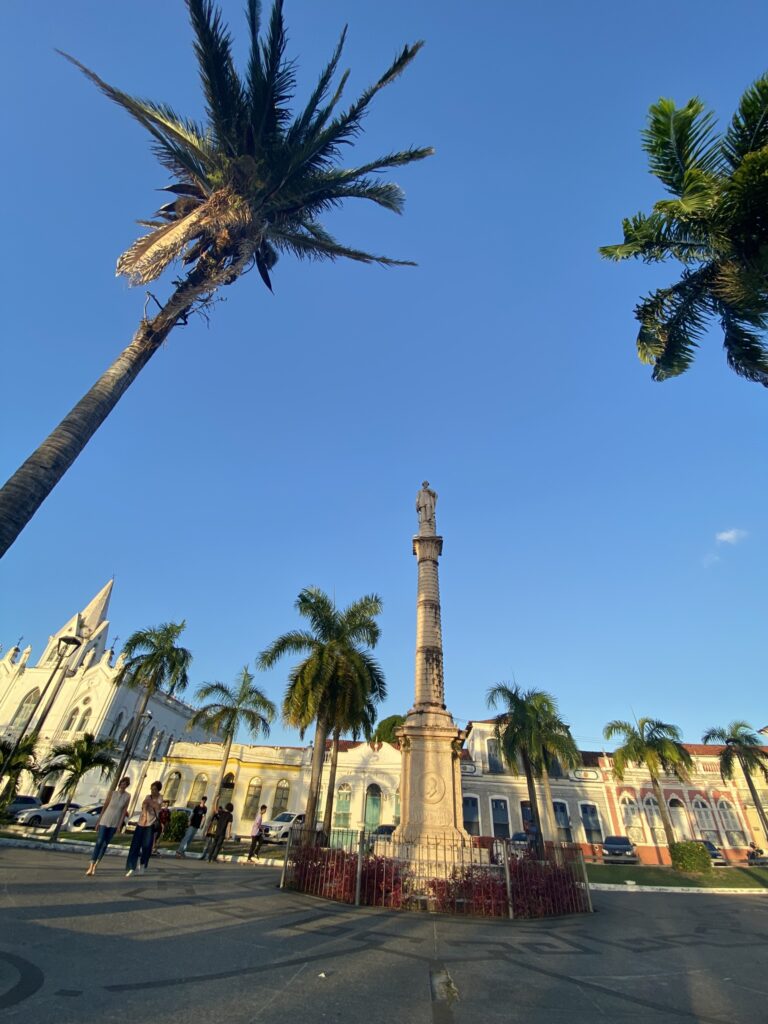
[{"x": 430, "y": 783}]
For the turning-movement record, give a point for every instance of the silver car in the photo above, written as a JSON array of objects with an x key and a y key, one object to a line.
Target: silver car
[
  {"x": 83, "y": 818},
  {"x": 46, "y": 815}
]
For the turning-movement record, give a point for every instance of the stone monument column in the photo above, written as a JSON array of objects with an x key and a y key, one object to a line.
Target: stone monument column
[{"x": 430, "y": 784}]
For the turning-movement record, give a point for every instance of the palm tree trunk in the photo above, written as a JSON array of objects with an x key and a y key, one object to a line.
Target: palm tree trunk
[
  {"x": 532, "y": 799},
  {"x": 25, "y": 491},
  {"x": 222, "y": 771},
  {"x": 756, "y": 800},
  {"x": 62, "y": 816},
  {"x": 327, "y": 816},
  {"x": 318, "y": 755},
  {"x": 666, "y": 821},
  {"x": 549, "y": 810}
]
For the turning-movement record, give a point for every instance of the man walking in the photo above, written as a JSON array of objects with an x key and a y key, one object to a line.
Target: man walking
[
  {"x": 195, "y": 823},
  {"x": 223, "y": 818},
  {"x": 256, "y": 834}
]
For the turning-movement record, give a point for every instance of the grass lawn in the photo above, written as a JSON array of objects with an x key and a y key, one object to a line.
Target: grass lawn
[{"x": 726, "y": 878}]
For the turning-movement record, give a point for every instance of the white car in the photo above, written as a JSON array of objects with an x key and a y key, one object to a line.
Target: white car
[
  {"x": 48, "y": 814},
  {"x": 278, "y": 829},
  {"x": 83, "y": 818}
]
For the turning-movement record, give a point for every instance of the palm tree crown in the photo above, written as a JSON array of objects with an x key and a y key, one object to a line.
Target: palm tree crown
[
  {"x": 650, "y": 742},
  {"x": 226, "y": 708},
  {"x": 252, "y": 181},
  {"x": 23, "y": 760},
  {"x": 73, "y": 761},
  {"x": 715, "y": 225},
  {"x": 741, "y": 744},
  {"x": 154, "y": 661}
]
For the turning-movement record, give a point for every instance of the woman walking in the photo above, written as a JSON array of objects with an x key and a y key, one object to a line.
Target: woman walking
[
  {"x": 144, "y": 834},
  {"x": 110, "y": 821}
]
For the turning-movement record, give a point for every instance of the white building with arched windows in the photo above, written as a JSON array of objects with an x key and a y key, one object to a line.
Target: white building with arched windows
[{"x": 86, "y": 699}]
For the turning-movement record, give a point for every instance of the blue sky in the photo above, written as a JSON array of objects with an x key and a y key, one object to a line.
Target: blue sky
[{"x": 283, "y": 445}]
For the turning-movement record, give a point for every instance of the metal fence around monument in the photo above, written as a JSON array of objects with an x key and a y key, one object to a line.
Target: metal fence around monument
[{"x": 485, "y": 877}]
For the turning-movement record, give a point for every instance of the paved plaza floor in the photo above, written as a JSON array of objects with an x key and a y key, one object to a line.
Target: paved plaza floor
[{"x": 189, "y": 941}]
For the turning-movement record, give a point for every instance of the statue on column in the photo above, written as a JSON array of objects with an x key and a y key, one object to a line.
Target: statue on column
[{"x": 426, "y": 500}]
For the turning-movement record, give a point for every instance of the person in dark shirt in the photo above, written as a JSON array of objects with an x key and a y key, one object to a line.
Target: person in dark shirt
[
  {"x": 223, "y": 826},
  {"x": 195, "y": 822}
]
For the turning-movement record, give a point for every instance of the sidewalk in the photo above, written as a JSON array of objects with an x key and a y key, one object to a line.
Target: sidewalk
[{"x": 77, "y": 846}]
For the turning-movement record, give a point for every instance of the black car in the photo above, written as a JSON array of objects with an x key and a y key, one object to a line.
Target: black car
[
  {"x": 619, "y": 848},
  {"x": 714, "y": 852},
  {"x": 384, "y": 831}
]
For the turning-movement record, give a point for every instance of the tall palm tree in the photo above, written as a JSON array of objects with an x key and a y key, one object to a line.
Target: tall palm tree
[
  {"x": 518, "y": 730},
  {"x": 338, "y": 670},
  {"x": 656, "y": 745},
  {"x": 715, "y": 225},
  {"x": 248, "y": 184},
  {"x": 742, "y": 746},
  {"x": 557, "y": 744},
  {"x": 229, "y": 708},
  {"x": 74, "y": 760},
  {"x": 154, "y": 663},
  {"x": 22, "y": 760},
  {"x": 353, "y": 715},
  {"x": 385, "y": 731}
]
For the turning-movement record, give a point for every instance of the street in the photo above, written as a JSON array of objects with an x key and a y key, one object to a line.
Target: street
[{"x": 219, "y": 942}]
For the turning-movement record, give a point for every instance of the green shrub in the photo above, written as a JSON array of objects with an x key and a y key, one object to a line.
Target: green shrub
[
  {"x": 177, "y": 826},
  {"x": 690, "y": 856}
]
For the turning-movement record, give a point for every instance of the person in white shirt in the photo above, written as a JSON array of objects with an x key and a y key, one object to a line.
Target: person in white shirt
[
  {"x": 110, "y": 821},
  {"x": 256, "y": 837}
]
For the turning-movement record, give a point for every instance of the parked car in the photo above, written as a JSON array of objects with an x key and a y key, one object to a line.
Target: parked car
[
  {"x": 619, "y": 848},
  {"x": 278, "y": 829},
  {"x": 46, "y": 815},
  {"x": 19, "y": 804},
  {"x": 717, "y": 855},
  {"x": 384, "y": 831},
  {"x": 83, "y": 818}
]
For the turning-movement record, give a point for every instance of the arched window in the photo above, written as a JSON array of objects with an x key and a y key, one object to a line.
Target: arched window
[
  {"x": 681, "y": 824},
  {"x": 199, "y": 787},
  {"x": 563, "y": 820},
  {"x": 227, "y": 789},
  {"x": 171, "y": 787},
  {"x": 86, "y": 717},
  {"x": 372, "y": 806},
  {"x": 653, "y": 814},
  {"x": 282, "y": 792},
  {"x": 471, "y": 811},
  {"x": 148, "y": 740},
  {"x": 630, "y": 815},
  {"x": 252, "y": 799},
  {"x": 396, "y": 815},
  {"x": 591, "y": 820},
  {"x": 159, "y": 745},
  {"x": 24, "y": 710},
  {"x": 115, "y": 730},
  {"x": 495, "y": 765},
  {"x": 731, "y": 823},
  {"x": 343, "y": 803},
  {"x": 168, "y": 745},
  {"x": 69, "y": 725},
  {"x": 705, "y": 820}
]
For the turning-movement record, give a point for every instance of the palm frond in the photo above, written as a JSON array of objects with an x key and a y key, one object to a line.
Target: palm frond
[
  {"x": 745, "y": 350},
  {"x": 672, "y": 320},
  {"x": 680, "y": 139},
  {"x": 748, "y": 131},
  {"x": 309, "y": 242},
  {"x": 297, "y": 132},
  {"x": 221, "y": 85}
]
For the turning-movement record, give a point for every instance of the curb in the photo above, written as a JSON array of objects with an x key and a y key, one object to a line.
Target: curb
[
  {"x": 695, "y": 890},
  {"x": 75, "y": 846}
]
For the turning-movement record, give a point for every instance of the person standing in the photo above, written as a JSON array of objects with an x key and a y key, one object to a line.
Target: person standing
[
  {"x": 144, "y": 834},
  {"x": 256, "y": 834},
  {"x": 111, "y": 820},
  {"x": 195, "y": 822},
  {"x": 223, "y": 831}
]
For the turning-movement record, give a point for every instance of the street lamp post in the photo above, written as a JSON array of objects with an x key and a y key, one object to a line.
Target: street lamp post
[
  {"x": 66, "y": 646},
  {"x": 145, "y": 768}
]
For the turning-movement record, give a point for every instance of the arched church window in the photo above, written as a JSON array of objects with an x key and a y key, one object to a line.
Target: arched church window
[
  {"x": 171, "y": 787},
  {"x": 69, "y": 725},
  {"x": 84, "y": 720},
  {"x": 252, "y": 799},
  {"x": 24, "y": 710}
]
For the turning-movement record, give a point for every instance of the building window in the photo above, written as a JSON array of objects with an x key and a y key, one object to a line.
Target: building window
[
  {"x": 500, "y": 818},
  {"x": 653, "y": 814},
  {"x": 84, "y": 721},
  {"x": 168, "y": 745},
  {"x": 69, "y": 725},
  {"x": 591, "y": 821},
  {"x": 341, "y": 816},
  {"x": 159, "y": 744},
  {"x": 471, "y": 808},
  {"x": 372, "y": 806},
  {"x": 171, "y": 787},
  {"x": 227, "y": 789},
  {"x": 630, "y": 815},
  {"x": 681, "y": 825},
  {"x": 25, "y": 709},
  {"x": 731, "y": 824},
  {"x": 280, "y": 802},
  {"x": 252, "y": 799},
  {"x": 494, "y": 757},
  {"x": 563, "y": 821},
  {"x": 705, "y": 820},
  {"x": 396, "y": 816},
  {"x": 554, "y": 768},
  {"x": 198, "y": 789},
  {"x": 116, "y": 726},
  {"x": 526, "y": 815},
  {"x": 150, "y": 737}
]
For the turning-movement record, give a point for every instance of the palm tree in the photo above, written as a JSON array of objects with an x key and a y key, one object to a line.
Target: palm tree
[
  {"x": 656, "y": 745},
  {"x": 742, "y": 746},
  {"x": 386, "y": 729},
  {"x": 22, "y": 760},
  {"x": 518, "y": 730},
  {"x": 248, "y": 185},
  {"x": 353, "y": 713},
  {"x": 154, "y": 663},
  {"x": 557, "y": 744},
  {"x": 74, "y": 760},
  {"x": 337, "y": 672},
  {"x": 229, "y": 708},
  {"x": 715, "y": 225}
]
